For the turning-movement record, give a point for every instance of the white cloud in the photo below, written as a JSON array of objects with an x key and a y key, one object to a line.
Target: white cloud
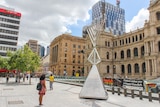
[
  {"x": 138, "y": 20},
  {"x": 43, "y": 20}
]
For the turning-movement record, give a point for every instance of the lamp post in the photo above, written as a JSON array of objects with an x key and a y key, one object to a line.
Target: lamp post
[
  {"x": 82, "y": 51},
  {"x": 114, "y": 67}
]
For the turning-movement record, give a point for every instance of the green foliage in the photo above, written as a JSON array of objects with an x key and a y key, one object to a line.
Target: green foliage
[
  {"x": 23, "y": 60},
  {"x": 4, "y": 63}
]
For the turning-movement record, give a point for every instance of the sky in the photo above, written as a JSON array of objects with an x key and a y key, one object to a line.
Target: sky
[{"x": 43, "y": 20}]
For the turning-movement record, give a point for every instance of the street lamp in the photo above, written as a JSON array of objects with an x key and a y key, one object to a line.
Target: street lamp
[
  {"x": 82, "y": 51},
  {"x": 114, "y": 68}
]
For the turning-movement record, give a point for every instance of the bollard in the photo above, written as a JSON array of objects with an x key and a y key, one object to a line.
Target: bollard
[
  {"x": 132, "y": 93},
  {"x": 159, "y": 97},
  {"x": 118, "y": 91},
  {"x": 125, "y": 92},
  {"x": 140, "y": 95},
  {"x": 112, "y": 90},
  {"x": 150, "y": 96}
]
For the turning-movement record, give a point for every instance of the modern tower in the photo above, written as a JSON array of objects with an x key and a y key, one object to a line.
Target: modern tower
[
  {"x": 9, "y": 29},
  {"x": 114, "y": 17}
]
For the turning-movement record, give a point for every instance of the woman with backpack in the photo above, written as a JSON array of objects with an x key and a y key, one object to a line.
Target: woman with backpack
[{"x": 43, "y": 89}]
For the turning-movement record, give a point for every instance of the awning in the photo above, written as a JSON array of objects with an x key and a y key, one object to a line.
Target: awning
[{"x": 5, "y": 70}]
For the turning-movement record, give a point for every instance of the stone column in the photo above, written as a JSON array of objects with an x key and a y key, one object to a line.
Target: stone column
[{"x": 153, "y": 65}]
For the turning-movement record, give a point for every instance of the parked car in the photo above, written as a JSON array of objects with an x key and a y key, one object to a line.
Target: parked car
[{"x": 156, "y": 89}]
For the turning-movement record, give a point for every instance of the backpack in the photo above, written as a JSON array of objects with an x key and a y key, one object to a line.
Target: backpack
[{"x": 39, "y": 86}]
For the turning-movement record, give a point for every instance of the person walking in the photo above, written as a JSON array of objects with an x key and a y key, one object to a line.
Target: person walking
[
  {"x": 51, "y": 80},
  {"x": 7, "y": 78},
  {"x": 43, "y": 90}
]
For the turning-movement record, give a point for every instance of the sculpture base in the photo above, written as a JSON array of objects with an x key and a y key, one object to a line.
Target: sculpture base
[{"x": 93, "y": 86}]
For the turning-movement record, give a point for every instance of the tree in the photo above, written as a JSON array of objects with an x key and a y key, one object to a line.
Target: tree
[
  {"x": 24, "y": 60},
  {"x": 4, "y": 63}
]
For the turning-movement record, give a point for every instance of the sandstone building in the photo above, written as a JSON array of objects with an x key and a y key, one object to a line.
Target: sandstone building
[
  {"x": 66, "y": 55},
  {"x": 132, "y": 55}
]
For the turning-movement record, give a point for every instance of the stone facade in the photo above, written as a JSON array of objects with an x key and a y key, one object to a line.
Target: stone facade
[
  {"x": 132, "y": 55},
  {"x": 66, "y": 55}
]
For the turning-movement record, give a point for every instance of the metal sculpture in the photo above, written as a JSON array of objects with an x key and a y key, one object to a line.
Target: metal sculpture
[{"x": 93, "y": 86}]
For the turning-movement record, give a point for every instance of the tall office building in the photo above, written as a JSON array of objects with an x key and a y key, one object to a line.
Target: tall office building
[
  {"x": 114, "y": 16},
  {"x": 41, "y": 50},
  {"x": 9, "y": 29},
  {"x": 33, "y": 44}
]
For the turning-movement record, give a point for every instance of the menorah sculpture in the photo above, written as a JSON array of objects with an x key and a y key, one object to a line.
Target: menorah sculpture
[{"x": 93, "y": 86}]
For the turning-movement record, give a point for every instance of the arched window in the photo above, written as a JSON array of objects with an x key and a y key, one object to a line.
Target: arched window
[
  {"x": 144, "y": 67},
  {"x": 128, "y": 53},
  {"x": 129, "y": 69},
  {"x": 107, "y": 55},
  {"x": 135, "y": 51},
  {"x": 115, "y": 55},
  {"x": 107, "y": 69},
  {"x": 122, "y": 69},
  {"x": 122, "y": 54},
  {"x": 142, "y": 50},
  {"x": 129, "y": 40},
  {"x": 136, "y": 68}
]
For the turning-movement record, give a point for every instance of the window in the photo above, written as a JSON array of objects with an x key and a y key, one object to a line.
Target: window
[
  {"x": 135, "y": 51},
  {"x": 136, "y": 67},
  {"x": 105, "y": 43},
  {"x": 136, "y": 38},
  {"x": 158, "y": 30},
  {"x": 123, "y": 42},
  {"x": 128, "y": 53},
  {"x": 122, "y": 69},
  {"x": 143, "y": 67},
  {"x": 129, "y": 68},
  {"x": 122, "y": 54},
  {"x": 159, "y": 46},
  {"x": 108, "y": 44},
  {"x": 142, "y": 50},
  {"x": 129, "y": 40},
  {"x": 107, "y": 55},
  {"x": 133, "y": 39},
  {"x": 116, "y": 43},
  {"x": 126, "y": 41},
  {"x": 65, "y": 44},
  {"x": 140, "y": 36},
  {"x": 115, "y": 55},
  {"x": 107, "y": 69},
  {"x": 158, "y": 15},
  {"x": 65, "y": 55},
  {"x": 74, "y": 46}
]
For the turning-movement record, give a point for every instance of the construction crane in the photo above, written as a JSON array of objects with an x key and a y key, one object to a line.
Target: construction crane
[{"x": 118, "y": 3}]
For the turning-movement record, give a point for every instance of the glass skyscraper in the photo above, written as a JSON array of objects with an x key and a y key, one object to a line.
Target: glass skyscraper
[{"x": 114, "y": 17}]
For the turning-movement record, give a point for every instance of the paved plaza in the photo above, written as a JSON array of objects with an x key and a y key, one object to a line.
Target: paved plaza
[{"x": 63, "y": 95}]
